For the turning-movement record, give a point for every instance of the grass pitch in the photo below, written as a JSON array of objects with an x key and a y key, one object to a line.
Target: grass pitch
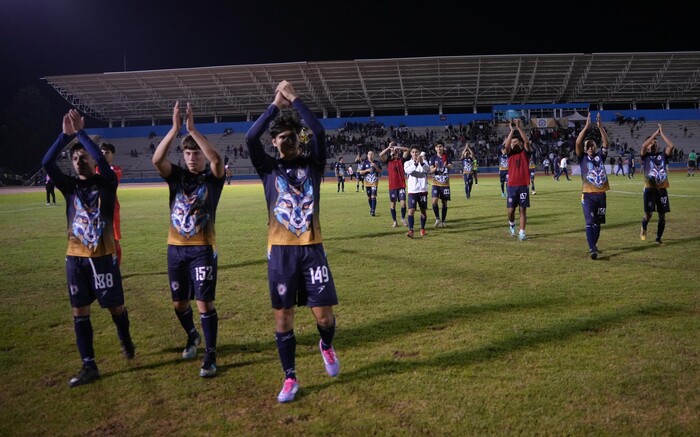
[{"x": 466, "y": 331}]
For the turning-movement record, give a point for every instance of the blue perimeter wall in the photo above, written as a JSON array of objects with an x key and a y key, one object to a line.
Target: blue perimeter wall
[{"x": 408, "y": 120}]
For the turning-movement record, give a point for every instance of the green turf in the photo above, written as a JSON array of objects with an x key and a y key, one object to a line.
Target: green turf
[{"x": 466, "y": 331}]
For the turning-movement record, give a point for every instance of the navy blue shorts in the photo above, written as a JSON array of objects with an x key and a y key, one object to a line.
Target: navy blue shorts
[
  {"x": 594, "y": 205},
  {"x": 418, "y": 200},
  {"x": 442, "y": 193},
  {"x": 397, "y": 194},
  {"x": 299, "y": 275},
  {"x": 192, "y": 272},
  {"x": 468, "y": 178},
  {"x": 503, "y": 176},
  {"x": 656, "y": 199},
  {"x": 518, "y": 196},
  {"x": 94, "y": 278},
  {"x": 371, "y": 191}
]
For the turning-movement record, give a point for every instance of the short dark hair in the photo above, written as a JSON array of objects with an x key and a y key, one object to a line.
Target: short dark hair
[
  {"x": 440, "y": 143},
  {"x": 75, "y": 147},
  {"x": 283, "y": 122},
  {"x": 189, "y": 143},
  {"x": 107, "y": 146}
]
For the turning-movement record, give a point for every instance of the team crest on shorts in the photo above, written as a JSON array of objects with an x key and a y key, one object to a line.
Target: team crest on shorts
[
  {"x": 73, "y": 289},
  {"x": 281, "y": 289},
  {"x": 175, "y": 285}
]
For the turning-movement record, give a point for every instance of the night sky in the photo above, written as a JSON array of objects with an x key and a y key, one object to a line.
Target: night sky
[{"x": 49, "y": 37}]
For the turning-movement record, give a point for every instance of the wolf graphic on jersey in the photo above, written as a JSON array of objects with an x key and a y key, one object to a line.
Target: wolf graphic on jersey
[
  {"x": 657, "y": 171},
  {"x": 295, "y": 206},
  {"x": 87, "y": 222},
  {"x": 441, "y": 176},
  {"x": 596, "y": 176},
  {"x": 371, "y": 178},
  {"x": 188, "y": 215}
]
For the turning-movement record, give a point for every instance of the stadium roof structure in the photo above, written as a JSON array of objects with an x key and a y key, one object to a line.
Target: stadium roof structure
[{"x": 391, "y": 86}]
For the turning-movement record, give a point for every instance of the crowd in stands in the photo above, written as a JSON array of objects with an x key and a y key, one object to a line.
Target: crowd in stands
[{"x": 485, "y": 139}]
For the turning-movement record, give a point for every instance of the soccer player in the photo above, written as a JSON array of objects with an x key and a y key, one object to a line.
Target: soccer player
[
  {"x": 468, "y": 169},
  {"x": 397, "y": 155},
  {"x": 297, "y": 267},
  {"x": 503, "y": 170},
  {"x": 631, "y": 169},
  {"x": 692, "y": 163},
  {"x": 108, "y": 151},
  {"x": 192, "y": 255},
  {"x": 595, "y": 182},
  {"x": 92, "y": 270},
  {"x": 654, "y": 164},
  {"x": 620, "y": 168},
  {"x": 417, "y": 171},
  {"x": 340, "y": 174},
  {"x": 533, "y": 168},
  {"x": 360, "y": 177},
  {"x": 440, "y": 166},
  {"x": 371, "y": 170},
  {"x": 518, "y": 150},
  {"x": 50, "y": 191}
]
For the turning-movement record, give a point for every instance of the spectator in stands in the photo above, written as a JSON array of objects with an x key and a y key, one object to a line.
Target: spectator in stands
[
  {"x": 298, "y": 271},
  {"x": 545, "y": 166},
  {"x": 654, "y": 163},
  {"x": 692, "y": 163},
  {"x": 517, "y": 147},
  {"x": 192, "y": 257},
  {"x": 595, "y": 182},
  {"x": 90, "y": 268}
]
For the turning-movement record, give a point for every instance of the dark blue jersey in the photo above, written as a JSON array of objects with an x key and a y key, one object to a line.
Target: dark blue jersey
[
  {"x": 89, "y": 202},
  {"x": 292, "y": 187},
  {"x": 193, "y": 201}
]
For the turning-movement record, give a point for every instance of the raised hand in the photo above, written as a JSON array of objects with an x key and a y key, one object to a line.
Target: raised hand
[
  {"x": 287, "y": 90},
  {"x": 189, "y": 117},
  {"x": 76, "y": 120},
  {"x": 67, "y": 126},
  {"x": 280, "y": 101},
  {"x": 177, "y": 121}
]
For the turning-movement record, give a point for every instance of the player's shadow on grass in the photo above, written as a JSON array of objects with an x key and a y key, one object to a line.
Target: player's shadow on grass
[
  {"x": 172, "y": 356},
  {"x": 405, "y": 361},
  {"x": 645, "y": 245}
]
